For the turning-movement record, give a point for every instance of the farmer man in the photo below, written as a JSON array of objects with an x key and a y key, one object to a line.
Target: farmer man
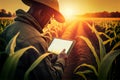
[{"x": 30, "y": 25}]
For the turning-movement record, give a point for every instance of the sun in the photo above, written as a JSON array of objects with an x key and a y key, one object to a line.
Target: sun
[{"x": 68, "y": 12}]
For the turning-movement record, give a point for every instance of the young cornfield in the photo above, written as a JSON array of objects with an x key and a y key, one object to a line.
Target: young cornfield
[
  {"x": 95, "y": 55},
  {"x": 5, "y": 22}
]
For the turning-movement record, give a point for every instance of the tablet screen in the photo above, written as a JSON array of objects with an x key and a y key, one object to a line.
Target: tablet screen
[{"x": 57, "y": 45}]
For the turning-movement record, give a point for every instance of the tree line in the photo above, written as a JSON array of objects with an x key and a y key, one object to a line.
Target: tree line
[
  {"x": 4, "y": 13},
  {"x": 103, "y": 14}
]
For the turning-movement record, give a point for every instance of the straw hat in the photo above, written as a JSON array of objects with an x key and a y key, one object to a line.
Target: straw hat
[{"x": 50, "y": 3}]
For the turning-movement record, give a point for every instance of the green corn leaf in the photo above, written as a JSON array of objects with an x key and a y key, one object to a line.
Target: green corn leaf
[
  {"x": 86, "y": 71},
  {"x": 92, "y": 49},
  {"x": 101, "y": 45},
  {"x": 106, "y": 64},
  {"x": 35, "y": 64},
  {"x": 12, "y": 44},
  {"x": 11, "y": 63},
  {"x": 81, "y": 74},
  {"x": 102, "y": 33},
  {"x": 87, "y": 65},
  {"x": 115, "y": 46},
  {"x": 108, "y": 40}
]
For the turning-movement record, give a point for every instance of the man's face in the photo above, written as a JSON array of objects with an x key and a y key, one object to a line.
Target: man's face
[
  {"x": 45, "y": 18},
  {"x": 49, "y": 21}
]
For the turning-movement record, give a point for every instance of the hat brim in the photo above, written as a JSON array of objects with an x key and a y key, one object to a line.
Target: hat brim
[
  {"x": 27, "y": 2},
  {"x": 59, "y": 17}
]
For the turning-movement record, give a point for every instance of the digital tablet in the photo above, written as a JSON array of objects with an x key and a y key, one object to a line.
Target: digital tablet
[{"x": 57, "y": 45}]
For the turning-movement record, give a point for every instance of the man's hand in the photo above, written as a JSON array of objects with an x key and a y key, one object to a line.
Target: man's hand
[
  {"x": 63, "y": 55},
  {"x": 62, "y": 58}
]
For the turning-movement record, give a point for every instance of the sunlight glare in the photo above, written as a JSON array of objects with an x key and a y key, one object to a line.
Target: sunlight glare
[{"x": 68, "y": 12}]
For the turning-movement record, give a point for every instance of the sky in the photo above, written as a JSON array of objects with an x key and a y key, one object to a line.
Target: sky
[{"x": 69, "y": 6}]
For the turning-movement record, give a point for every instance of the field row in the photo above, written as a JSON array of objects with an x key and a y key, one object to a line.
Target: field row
[{"x": 77, "y": 29}]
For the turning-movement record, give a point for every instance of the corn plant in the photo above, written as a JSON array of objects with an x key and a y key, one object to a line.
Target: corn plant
[
  {"x": 12, "y": 60},
  {"x": 105, "y": 61},
  {"x": 112, "y": 31},
  {"x": 5, "y": 22},
  {"x": 26, "y": 76}
]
